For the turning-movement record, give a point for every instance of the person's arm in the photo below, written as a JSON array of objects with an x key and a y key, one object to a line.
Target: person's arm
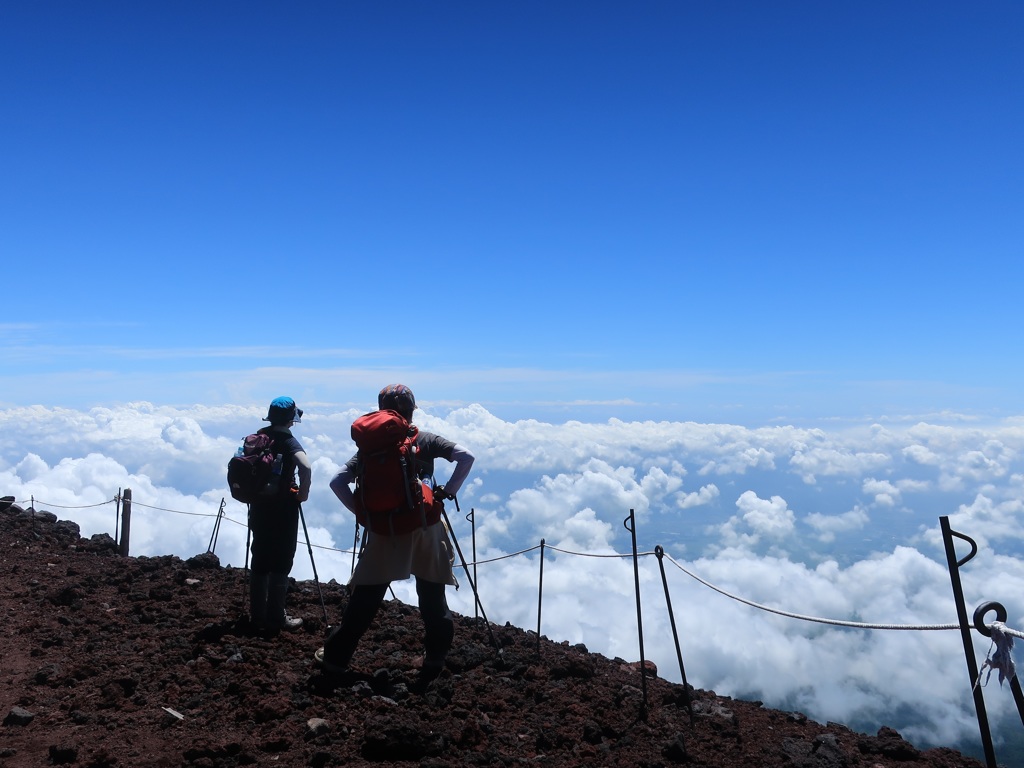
[
  {"x": 305, "y": 471},
  {"x": 463, "y": 461},
  {"x": 341, "y": 485}
]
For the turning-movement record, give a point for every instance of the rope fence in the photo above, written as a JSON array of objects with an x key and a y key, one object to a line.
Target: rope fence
[{"x": 613, "y": 555}]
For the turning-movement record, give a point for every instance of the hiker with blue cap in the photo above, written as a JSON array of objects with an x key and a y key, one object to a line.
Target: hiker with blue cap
[{"x": 274, "y": 522}]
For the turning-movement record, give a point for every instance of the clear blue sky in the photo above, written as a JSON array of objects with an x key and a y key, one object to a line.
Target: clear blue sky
[{"x": 793, "y": 208}]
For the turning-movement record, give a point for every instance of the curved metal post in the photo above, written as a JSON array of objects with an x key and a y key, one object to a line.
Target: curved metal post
[
  {"x": 630, "y": 526},
  {"x": 965, "y": 631}
]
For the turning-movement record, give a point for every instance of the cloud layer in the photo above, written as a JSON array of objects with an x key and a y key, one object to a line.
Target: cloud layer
[{"x": 837, "y": 524}]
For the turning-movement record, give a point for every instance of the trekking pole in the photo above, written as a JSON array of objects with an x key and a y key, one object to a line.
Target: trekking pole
[
  {"x": 361, "y": 545},
  {"x": 316, "y": 578},
  {"x": 472, "y": 583},
  {"x": 247, "y": 586},
  {"x": 355, "y": 546},
  {"x": 471, "y": 517}
]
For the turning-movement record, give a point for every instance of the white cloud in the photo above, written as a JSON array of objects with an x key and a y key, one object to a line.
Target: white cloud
[
  {"x": 907, "y": 485},
  {"x": 657, "y": 484},
  {"x": 828, "y": 526},
  {"x": 921, "y": 455},
  {"x": 885, "y": 494},
  {"x": 832, "y": 460},
  {"x": 705, "y": 495},
  {"x": 759, "y": 519},
  {"x": 991, "y": 519}
]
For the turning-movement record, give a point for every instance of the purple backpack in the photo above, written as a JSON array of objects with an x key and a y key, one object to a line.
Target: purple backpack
[{"x": 250, "y": 469}]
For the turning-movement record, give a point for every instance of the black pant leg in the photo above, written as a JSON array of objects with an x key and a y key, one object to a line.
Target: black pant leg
[
  {"x": 363, "y": 604},
  {"x": 275, "y": 531},
  {"x": 438, "y": 624}
]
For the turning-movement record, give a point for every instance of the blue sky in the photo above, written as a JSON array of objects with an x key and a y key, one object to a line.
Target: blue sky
[{"x": 730, "y": 211}]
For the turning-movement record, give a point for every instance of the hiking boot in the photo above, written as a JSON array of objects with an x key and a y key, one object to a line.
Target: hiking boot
[
  {"x": 270, "y": 631},
  {"x": 430, "y": 672},
  {"x": 325, "y": 665},
  {"x": 428, "y": 668},
  {"x": 258, "y": 585}
]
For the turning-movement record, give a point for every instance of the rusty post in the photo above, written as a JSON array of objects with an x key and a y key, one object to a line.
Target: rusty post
[{"x": 126, "y": 522}]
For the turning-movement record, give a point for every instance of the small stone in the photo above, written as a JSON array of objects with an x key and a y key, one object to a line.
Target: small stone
[
  {"x": 675, "y": 750},
  {"x": 63, "y": 754},
  {"x": 18, "y": 716},
  {"x": 317, "y": 726}
]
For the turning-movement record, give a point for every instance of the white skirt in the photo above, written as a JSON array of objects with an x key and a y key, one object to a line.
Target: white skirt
[{"x": 425, "y": 553}]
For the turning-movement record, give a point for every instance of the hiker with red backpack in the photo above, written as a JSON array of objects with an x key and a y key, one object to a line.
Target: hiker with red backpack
[
  {"x": 274, "y": 521},
  {"x": 394, "y": 498}
]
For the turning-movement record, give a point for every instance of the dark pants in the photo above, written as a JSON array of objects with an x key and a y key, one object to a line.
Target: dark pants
[
  {"x": 363, "y": 604},
  {"x": 275, "y": 532}
]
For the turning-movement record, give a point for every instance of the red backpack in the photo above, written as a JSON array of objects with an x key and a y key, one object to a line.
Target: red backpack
[{"x": 392, "y": 497}]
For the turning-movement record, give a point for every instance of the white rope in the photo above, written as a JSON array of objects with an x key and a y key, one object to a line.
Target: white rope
[
  {"x": 802, "y": 617},
  {"x": 594, "y": 554},
  {"x": 62, "y": 506},
  {"x": 1001, "y": 660},
  {"x": 1005, "y": 629}
]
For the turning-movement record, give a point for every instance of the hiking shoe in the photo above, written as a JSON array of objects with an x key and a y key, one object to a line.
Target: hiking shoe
[
  {"x": 291, "y": 623},
  {"x": 326, "y": 666},
  {"x": 428, "y": 662},
  {"x": 429, "y": 669},
  {"x": 430, "y": 672}
]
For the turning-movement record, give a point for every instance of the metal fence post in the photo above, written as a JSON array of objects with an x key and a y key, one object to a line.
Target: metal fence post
[
  {"x": 965, "y": 631},
  {"x": 630, "y": 524},
  {"x": 659, "y": 552},
  {"x": 126, "y": 522},
  {"x": 540, "y": 592},
  {"x": 212, "y": 546},
  {"x": 987, "y": 631}
]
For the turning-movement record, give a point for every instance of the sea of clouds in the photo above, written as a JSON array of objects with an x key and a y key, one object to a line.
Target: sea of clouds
[{"x": 838, "y": 524}]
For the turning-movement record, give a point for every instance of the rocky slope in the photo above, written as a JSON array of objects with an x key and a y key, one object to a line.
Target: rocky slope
[{"x": 111, "y": 661}]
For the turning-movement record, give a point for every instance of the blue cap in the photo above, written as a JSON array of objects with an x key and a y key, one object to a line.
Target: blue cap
[{"x": 282, "y": 410}]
